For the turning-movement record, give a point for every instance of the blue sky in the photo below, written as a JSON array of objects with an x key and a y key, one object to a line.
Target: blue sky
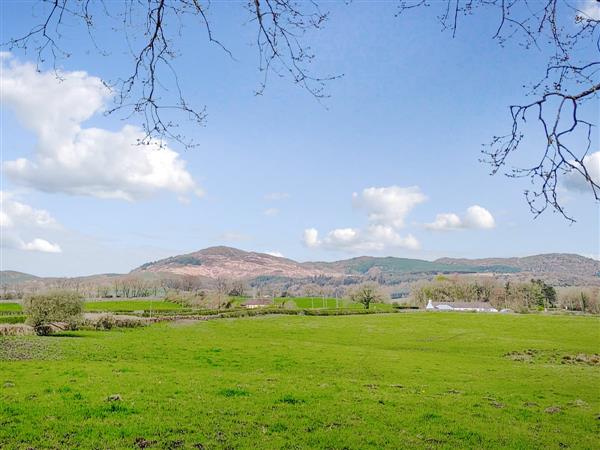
[{"x": 402, "y": 131}]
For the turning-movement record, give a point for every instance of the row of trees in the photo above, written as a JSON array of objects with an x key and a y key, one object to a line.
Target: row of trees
[{"x": 518, "y": 296}]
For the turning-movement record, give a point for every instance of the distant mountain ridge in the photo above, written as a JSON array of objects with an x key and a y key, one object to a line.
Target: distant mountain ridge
[
  {"x": 231, "y": 263},
  {"x": 227, "y": 262},
  {"x": 544, "y": 263},
  {"x": 12, "y": 277},
  {"x": 389, "y": 264}
]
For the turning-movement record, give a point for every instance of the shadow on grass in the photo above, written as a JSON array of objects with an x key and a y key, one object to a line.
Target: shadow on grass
[{"x": 66, "y": 334}]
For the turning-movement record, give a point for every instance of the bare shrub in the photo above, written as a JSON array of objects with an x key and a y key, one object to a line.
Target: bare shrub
[
  {"x": 366, "y": 294},
  {"x": 16, "y": 329},
  {"x": 129, "y": 321},
  {"x": 105, "y": 322},
  {"x": 186, "y": 299},
  {"x": 45, "y": 311},
  {"x": 110, "y": 321},
  {"x": 288, "y": 304},
  {"x": 586, "y": 299}
]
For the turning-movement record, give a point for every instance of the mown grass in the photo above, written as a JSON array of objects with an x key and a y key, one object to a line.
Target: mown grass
[
  {"x": 110, "y": 305},
  {"x": 328, "y": 303},
  {"x": 12, "y": 318},
  {"x": 161, "y": 305},
  {"x": 131, "y": 305},
  {"x": 10, "y": 307},
  {"x": 414, "y": 380}
]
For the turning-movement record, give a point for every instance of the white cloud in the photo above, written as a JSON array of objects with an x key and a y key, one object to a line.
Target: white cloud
[
  {"x": 387, "y": 208},
  {"x": 575, "y": 181},
  {"x": 374, "y": 238},
  {"x": 90, "y": 161},
  {"x": 18, "y": 220},
  {"x": 42, "y": 245},
  {"x": 476, "y": 217},
  {"x": 311, "y": 238},
  {"x": 275, "y": 196},
  {"x": 275, "y": 253},
  {"x": 271, "y": 212},
  {"x": 388, "y": 205},
  {"x": 590, "y": 9}
]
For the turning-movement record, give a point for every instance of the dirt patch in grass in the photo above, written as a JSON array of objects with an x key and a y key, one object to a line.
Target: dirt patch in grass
[
  {"x": 582, "y": 358},
  {"x": 554, "y": 357},
  {"x": 26, "y": 348},
  {"x": 553, "y": 410},
  {"x": 141, "y": 442}
]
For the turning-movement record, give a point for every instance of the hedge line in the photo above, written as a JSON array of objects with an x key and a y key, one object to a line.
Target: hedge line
[{"x": 13, "y": 318}]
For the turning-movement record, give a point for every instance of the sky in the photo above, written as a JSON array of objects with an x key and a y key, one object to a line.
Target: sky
[{"x": 387, "y": 165}]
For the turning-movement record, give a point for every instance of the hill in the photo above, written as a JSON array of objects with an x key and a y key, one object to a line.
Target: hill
[
  {"x": 227, "y": 262},
  {"x": 12, "y": 277},
  {"x": 560, "y": 269},
  {"x": 546, "y": 263},
  {"x": 390, "y": 265}
]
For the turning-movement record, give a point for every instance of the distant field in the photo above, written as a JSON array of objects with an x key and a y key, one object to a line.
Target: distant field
[
  {"x": 329, "y": 303},
  {"x": 414, "y": 380},
  {"x": 10, "y": 307},
  {"x": 131, "y": 305},
  {"x": 160, "y": 305},
  {"x": 117, "y": 305}
]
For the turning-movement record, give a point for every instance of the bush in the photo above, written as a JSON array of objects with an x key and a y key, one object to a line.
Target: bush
[
  {"x": 129, "y": 321},
  {"x": 12, "y": 319},
  {"x": 366, "y": 294},
  {"x": 105, "y": 322},
  {"x": 186, "y": 299},
  {"x": 46, "y": 311},
  {"x": 109, "y": 321},
  {"x": 17, "y": 329}
]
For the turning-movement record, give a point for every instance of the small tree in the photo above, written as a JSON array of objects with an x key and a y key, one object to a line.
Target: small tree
[
  {"x": 367, "y": 294},
  {"x": 44, "y": 310}
]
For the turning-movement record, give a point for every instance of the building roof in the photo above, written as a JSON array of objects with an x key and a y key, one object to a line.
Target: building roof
[
  {"x": 257, "y": 301},
  {"x": 474, "y": 305}
]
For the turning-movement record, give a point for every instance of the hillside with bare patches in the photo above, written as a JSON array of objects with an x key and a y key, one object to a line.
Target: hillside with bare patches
[{"x": 231, "y": 263}]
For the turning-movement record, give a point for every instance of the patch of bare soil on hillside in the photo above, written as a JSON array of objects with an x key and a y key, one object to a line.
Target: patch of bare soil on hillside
[
  {"x": 554, "y": 357},
  {"x": 27, "y": 348}
]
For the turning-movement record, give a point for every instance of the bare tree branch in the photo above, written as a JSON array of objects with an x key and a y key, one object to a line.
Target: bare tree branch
[
  {"x": 558, "y": 29},
  {"x": 151, "y": 28}
]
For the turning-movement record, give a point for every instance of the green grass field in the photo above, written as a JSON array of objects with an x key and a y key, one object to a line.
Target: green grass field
[
  {"x": 329, "y": 303},
  {"x": 161, "y": 305},
  {"x": 414, "y": 380},
  {"x": 131, "y": 305},
  {"x": 116, "y": 305},
  {"x": 9, "y": 307}
]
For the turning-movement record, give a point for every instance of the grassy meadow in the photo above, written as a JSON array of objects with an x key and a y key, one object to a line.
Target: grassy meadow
[
  {"x": 10, "y": 307},
  {"x": 424, "y": 380},
  {"x": 130, "y": 305}
]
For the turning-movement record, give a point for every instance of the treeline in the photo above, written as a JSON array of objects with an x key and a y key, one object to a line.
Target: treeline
[{"x": 518, "y": 296}]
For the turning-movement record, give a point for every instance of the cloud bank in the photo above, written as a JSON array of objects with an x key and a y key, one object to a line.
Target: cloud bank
[
  {"x": 575, "y": 181},
  {"x": 18, "y": 220},
  {"x": 590, "y": 9},
  {"x": 73, "y": 159},
  {"x": 476, "y": 217},
  {"x": 386, "y": 208}
]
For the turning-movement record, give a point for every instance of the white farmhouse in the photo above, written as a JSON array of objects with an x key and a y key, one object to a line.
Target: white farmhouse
[
  {"x": 460, "y": 306},
  {"x": 257, "y": 303}
]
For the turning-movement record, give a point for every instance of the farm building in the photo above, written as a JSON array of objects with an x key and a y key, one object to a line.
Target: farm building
[
  {"x": 257, "y": 303},
  {"x": 460, "y": 306}
]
